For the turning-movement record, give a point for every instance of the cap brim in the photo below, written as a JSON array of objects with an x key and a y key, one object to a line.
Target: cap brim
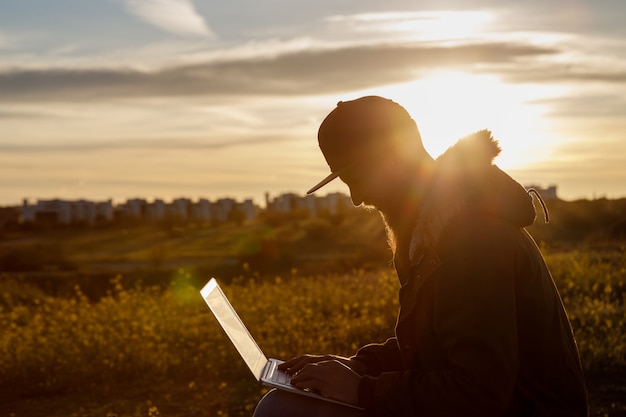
[{"x": 323, "y": 182}]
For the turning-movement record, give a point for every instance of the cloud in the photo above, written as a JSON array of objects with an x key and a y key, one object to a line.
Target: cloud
[
  {"x": 595, "y": 104},
  {"x": 8, "y": 41},
  {"x": 137, "y": 144},
  {"x": 19, "y": 114},
  {"x": 423, "y": 25},
  {"x": 307, "y": 71},
  {"x": 563, "y": 73},
  {"x": 175, "y": 16}
]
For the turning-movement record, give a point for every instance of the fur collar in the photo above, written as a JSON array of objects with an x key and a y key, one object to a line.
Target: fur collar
[{"x": 466, "y": 176}]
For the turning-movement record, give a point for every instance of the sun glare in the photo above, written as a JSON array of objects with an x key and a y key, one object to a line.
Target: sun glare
[
  {"x": 449, "y": 105},
  {"x": 449, "y": 25},
  {"x": 429, "y": 25}
]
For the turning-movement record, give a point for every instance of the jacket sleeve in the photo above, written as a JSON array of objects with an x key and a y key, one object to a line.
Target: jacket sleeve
[
  {"x": 378, "y": 357},
  {"x": 474, "y": 323}
]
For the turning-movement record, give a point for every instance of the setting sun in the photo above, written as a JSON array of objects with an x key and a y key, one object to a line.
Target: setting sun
[{"x": 449, "y": 105}]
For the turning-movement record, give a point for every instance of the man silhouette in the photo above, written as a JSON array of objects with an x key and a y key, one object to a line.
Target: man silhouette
[{"x": 481, "y": 329}]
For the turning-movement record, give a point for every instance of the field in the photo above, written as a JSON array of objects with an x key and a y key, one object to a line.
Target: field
[{"x": 110, "y": 323}]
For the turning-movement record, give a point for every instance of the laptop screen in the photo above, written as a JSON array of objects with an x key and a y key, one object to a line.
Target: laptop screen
[{"x": 234, "y": 327}]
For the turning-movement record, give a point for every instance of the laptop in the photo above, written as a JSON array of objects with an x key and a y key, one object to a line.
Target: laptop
[{"x": 264, "y": 370}]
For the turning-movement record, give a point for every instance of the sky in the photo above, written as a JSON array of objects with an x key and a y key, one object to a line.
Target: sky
[{"x": 118, "y": 99}]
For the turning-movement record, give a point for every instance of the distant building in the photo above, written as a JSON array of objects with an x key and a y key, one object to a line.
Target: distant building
[
  {"x": 331, "y": 203},
  {"x": 202, "y": 210},
  {"x": 180, "y": 208},
  {"x": 156, "y": 211},
  {"x": 135, "y": 208},
  {"x": 104, "y": 211},
  {"x": 249, "y": 209},
  {"x": 66, "y": 212},
  {"x": 334, "y": 202},
  {"x": 310, "y": 204},
  {"x": 222, "y": 208},
  {"x": 284, "y": 203},
  {"x": 82, "y": 211}
]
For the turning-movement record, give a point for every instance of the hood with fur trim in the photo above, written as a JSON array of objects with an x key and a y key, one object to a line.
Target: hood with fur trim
[{"x": 466, "y": 179}]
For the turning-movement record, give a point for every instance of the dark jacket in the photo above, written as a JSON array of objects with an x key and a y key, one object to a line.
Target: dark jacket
[{"x": 481, "y": 329}]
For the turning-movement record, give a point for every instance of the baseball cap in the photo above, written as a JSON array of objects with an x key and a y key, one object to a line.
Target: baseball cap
[{"x": 358, "y": 130}]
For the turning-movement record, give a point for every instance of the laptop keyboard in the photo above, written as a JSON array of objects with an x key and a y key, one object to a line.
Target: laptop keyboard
[
  {"x": 281, "y": 377},
  {"x": 276, "y": 376}
]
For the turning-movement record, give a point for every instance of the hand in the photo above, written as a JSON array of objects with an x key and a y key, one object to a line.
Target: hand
[
  {"x": 330, "y": 378},
  {"x": 293, "y": 366}
]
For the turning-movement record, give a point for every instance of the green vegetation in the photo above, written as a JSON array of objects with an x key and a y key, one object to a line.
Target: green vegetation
[
  {"x": 106, "y": 323},
  {"x": 165, "y": 347},
  {"x": 145, "y": 349}
]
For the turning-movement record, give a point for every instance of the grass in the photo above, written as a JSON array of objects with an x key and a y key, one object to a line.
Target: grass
[
  {"x": 146, "y": 351},
  {"x": 137, "y": 243},
  {"x": 146, "y": 337}
]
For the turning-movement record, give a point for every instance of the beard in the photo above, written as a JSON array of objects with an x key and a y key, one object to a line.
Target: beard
[
  {"x": 399, "y": 203},
  {"x": 399, "y": 227}
]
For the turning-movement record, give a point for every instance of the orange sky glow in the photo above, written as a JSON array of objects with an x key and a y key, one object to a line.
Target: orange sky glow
[{"x": 202, "y": 106}]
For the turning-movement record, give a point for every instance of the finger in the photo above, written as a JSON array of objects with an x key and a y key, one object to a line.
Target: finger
[
  {"x": 320, "y": 371},
  {"x": 310, "y": 384},
  {"x": 297, "y": 364},
  {"x": 287, "y": 364},
  {"x": 327, "y": 368},
  {"x": 298, "y": 361},
  {"x": 309, "y": 371}
]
